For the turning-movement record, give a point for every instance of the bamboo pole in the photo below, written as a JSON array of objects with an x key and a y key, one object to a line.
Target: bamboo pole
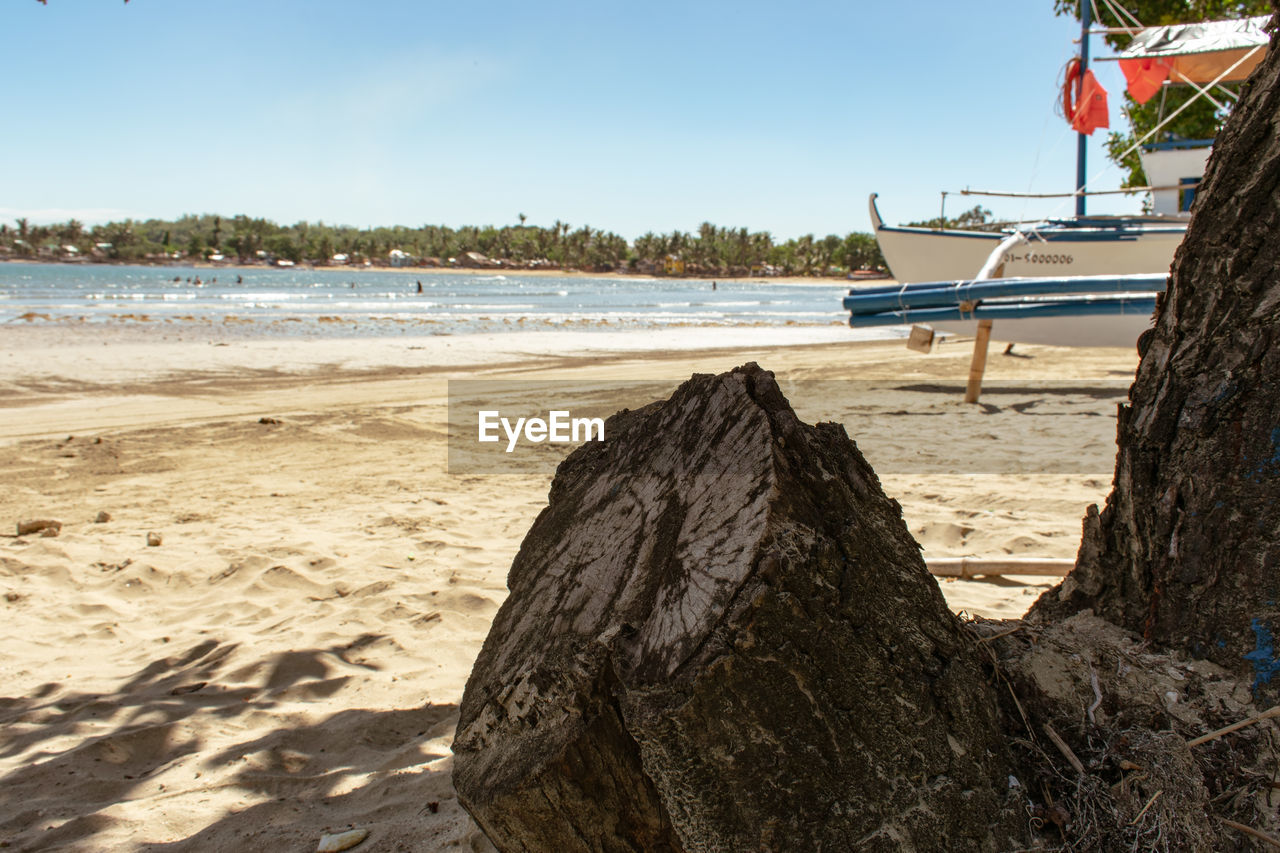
[
  {"x": 978, "y": 365},
  {"x": 998, "y": 194},
  {"x": 969, "y": 567}
]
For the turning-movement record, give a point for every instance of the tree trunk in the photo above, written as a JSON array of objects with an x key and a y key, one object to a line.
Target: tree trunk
[
  {"x": 721, "y": 636},
  {"x": 1187, "y": 551}
]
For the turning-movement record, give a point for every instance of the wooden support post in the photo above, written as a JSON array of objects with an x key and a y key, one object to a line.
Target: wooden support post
[
  {"x": 978, "y": 365},
  {"x": 972, "y": 567}
]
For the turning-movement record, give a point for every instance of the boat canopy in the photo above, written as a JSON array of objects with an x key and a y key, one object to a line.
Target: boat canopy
[{"x": 1204, "y": 52}]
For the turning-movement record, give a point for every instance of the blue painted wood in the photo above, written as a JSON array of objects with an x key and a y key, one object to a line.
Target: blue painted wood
[
  {"x": 949, "y": 294},
  {"x": 1079, "y": 306},
  {"x": 1176, "y": 144}
]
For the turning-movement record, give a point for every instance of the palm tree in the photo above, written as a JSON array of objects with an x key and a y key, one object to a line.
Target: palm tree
[
  {"x": 648, "y": 247},
  {"x": 72, "y": 231},
  {"x": 826, "y": 249},
  {"x": 804, "y": 254}
]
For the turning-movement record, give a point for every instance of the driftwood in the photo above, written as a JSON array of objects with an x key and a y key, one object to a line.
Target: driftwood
[
  {"x": 721, "y": 636},
  {"x": 48, "y": 526}
]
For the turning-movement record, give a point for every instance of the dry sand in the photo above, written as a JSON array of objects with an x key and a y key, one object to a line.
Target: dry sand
[{"x": 289, "y": 660}]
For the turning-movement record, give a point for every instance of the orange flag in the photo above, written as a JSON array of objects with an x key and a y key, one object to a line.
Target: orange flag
[
  {"x": 1144, "y": 76},
  {"x": 1090, "y": 111}
]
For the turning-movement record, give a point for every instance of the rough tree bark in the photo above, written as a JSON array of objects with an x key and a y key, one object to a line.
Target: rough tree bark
[
  {"x": 1187, "y": 551},
  {"x": 721, "y": 636}
]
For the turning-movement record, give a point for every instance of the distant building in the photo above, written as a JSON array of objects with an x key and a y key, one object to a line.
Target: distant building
[
  {"x": 672, "y": 265},
  {"x": 399, "y": 258},
  {"x": 475, "y": 259},
  {"x": 340, "y": 259}
]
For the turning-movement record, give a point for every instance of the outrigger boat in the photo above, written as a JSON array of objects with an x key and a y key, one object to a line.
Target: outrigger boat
[{"x": 1105, "y": 269}]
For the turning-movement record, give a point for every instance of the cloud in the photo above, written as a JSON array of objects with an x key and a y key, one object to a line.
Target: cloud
[{"x": 50, "y": 215}]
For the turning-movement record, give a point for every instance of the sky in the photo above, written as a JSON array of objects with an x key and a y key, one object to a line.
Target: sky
[{"x": 629, "y": 117}]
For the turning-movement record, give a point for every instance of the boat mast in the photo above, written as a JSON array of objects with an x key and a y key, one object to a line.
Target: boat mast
[{"x": 1086, "y": 20}]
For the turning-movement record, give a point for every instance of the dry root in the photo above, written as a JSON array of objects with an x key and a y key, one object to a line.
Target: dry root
[{"x": 1103, "y": 730}]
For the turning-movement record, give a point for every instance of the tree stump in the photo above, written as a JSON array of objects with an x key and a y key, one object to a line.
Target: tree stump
[
  {"x": 1187, "y": 551},
  {"x": 721, "y": 636}
]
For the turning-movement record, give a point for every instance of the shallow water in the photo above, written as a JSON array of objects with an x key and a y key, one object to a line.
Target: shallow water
[{"x": 382, "y": 302}]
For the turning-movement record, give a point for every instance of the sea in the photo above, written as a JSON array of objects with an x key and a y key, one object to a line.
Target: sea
[{"x": 356, "y": 302}]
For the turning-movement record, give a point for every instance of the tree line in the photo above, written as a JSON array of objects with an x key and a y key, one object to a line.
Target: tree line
[{"x": 711, "y": 250}]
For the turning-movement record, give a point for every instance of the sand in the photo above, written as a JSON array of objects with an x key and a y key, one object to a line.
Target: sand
[{"x": 289, "y": 660}]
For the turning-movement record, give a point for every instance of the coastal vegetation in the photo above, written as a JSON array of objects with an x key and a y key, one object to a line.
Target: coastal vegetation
[
  {"x": 711, "y": 250},
  {"x": 976, "y": 218}
]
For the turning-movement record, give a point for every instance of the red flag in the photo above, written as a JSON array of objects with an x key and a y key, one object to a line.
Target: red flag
[
  {"x": 1145, "y": 76},
  {"x": 1090, "y": 112}
]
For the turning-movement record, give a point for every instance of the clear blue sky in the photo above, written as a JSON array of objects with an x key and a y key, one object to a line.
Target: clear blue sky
[{"x": 778, "y": 116}]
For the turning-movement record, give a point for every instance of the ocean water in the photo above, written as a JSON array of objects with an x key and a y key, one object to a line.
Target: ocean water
[{"x": 355, "y": 302}]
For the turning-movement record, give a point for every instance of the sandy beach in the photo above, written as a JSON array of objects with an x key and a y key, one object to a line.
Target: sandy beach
[{"x": 288, "y": 661}]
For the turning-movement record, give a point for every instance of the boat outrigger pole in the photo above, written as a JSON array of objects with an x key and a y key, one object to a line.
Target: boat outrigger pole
[{"x": 1082, "y": 140}]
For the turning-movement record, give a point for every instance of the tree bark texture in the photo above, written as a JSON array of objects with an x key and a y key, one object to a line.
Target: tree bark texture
[
  {"x": 721, "y": 636},
  {"x": 1187, "y": 551}
]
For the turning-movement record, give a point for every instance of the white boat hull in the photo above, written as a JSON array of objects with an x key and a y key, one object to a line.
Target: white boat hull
[
  {"x": 1120, "y": 330},
  {"x": 1117, "y": 246},
  {"x": 1104, "y": 319},
  {"x": 1056, "y": 250}
]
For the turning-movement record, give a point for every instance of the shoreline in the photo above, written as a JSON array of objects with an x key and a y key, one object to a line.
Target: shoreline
[
  {"x": 470, "y": 271},
  {"x": 102, "y": 354}
]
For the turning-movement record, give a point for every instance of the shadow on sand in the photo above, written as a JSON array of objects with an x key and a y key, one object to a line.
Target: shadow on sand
[{"x": 145, "y": 743}]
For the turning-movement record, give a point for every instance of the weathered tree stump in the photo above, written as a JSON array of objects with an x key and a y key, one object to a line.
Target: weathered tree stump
[
  {"x": 721, "y": 636},
  {"x": 1187, "y": 551}
]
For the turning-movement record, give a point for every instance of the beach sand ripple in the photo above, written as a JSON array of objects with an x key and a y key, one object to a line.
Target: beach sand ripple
[{"x": 288, "y": 662}]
